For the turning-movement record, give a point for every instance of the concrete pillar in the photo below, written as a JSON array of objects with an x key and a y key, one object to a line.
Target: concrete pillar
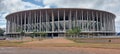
[
  {"x": 82, "y": 20},
  {"x": 76, "y": 18},
  {"x": 25, "y": 22},
  {"x": 58, "y": 21},
  {"x": 40, "y": 21},
  {"x": 13, "y": 27},
  {"x": 46, "y": 21},
  {"x": 107, "y": 22},
  {"x": 70, "y": 21},
  {"x": 21, "y": 22},
  {"x": 114, "y": 23},
  {"x": 101, "y": 21},
  {"x": 52, "y": 21},
  {"x": 104, "y": 19},
  {"x": 111, "y": 23},
  {"x": 64, "y": 29},
  {"x": 87, "y": 21},
  {"x": 34, "y": 22},
  {"x": 97, "y": 20},
  {"x": 7, "y": 27},
  {"x": 14, "y": 23},
  {"x": 93, "y": 25}
]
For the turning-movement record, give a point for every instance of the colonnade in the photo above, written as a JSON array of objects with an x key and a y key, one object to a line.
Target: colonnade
[{"x": 60, "y": 20}]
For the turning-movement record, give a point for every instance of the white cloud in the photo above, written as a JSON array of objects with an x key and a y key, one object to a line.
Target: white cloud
[
  {"x": 9, "y": 6},
  {"x": 17, "y": 5},
  {"x": 38, "y": 0},
  {"x": 2, "y": 26},
  {"x": 70, "y": 3}
]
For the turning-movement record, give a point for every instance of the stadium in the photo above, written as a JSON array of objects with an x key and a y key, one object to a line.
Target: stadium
[{"x": 56, "y": 21}]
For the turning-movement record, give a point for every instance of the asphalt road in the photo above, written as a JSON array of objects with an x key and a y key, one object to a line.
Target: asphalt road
[{"x": 56, "y": 50}]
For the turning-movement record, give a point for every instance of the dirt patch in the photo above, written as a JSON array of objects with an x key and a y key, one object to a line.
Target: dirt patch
[
  {"x": 96, "y": 40},
  {"x": 54, "y": 40},
  {"x": 57, "y": 50}
]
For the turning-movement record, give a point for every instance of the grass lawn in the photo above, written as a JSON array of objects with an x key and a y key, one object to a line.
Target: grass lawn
[{"x": 5, "y": 43}]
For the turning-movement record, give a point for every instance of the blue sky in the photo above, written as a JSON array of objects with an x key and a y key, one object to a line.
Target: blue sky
[{"x": 9, "y": 6}]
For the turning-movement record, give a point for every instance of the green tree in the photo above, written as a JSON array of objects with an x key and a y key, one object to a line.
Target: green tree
[
  {"x": 43, "y": 34},
  {"x": 75, "y": 31},
  {"x": 32, "y": 35},
  {"x": 22, "y": 34},
  {"x": 1, "y": 32},
  {"x": 18, "y": 29}
]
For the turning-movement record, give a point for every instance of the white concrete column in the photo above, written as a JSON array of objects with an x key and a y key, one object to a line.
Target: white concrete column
[
  {"x": 7, "y": 26},
  {"x": 82, "y": 20},
  {"x": 31, "y": 23},
  {"x": 36, "y": 21},
  {"x": 28, "y": 17},
  {"x": 70, "y": 23},
  {"x": 15, "y": 22},
  {"x": 35, "y": 29},
  {"x": 87, "y": 22},
  {"x": 29, "y": 20},
  {"x": 101, "y": 21},
  {"x": 107, "y": 22},
  {"x": 24, "y": 21},
  {"x": 52, "y": 21},
  {"x": 93, "y": 22},
  {"x": 8, "y": 29},
  {"x": 18, "y": 23},
  {"x": 112, "y": 23},
  {"x": 97, "y": 20},
  {"x": 104, "y": 19},
  {"x": 40, "y": 22},
  {"x": 46, "y": 21},
  {"x": 21, "y": 21},
  {"x": 12, "y": 24},
  {"x": 76, "y": 18},
  {"x": 58, "y": 21},
  {"x": 64, "y": 29}
]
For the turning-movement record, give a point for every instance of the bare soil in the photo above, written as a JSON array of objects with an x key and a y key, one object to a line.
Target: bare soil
[
  {"x": 57, "y": 50},
  {"x": 54, "y": 40}
]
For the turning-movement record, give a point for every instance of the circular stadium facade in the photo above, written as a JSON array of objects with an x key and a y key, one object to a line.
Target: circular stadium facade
[{"x": 56, "y": 21}]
